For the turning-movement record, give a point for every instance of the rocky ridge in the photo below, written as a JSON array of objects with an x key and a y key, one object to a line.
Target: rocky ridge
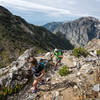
[
  {"x": 80, "y": 31},
  {"x": 82, "y": 83}
]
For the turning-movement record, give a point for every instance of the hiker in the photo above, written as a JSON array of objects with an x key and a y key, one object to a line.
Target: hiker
[
  {"x": 59, "y": 55},
  {"x": 37, "y": 71}
]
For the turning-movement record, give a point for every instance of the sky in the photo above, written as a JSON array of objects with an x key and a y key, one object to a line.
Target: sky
[{"x": 40, "y": 12}]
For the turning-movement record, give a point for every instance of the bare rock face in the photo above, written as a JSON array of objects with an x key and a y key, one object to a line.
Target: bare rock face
[
  {"x": 80, "y": 31},
  {"x": 14, "y": 76},
  {"x": 93, "y": 45}
]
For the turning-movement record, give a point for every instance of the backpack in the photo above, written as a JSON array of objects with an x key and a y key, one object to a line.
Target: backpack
[
  {"x": 41, "y": 64},
  {"x": 60, "y": 52},
  {"x": 37, "y": 70}
]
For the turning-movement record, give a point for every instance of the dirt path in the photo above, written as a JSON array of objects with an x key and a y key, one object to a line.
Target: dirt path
[{"x": 48, "y": 91}]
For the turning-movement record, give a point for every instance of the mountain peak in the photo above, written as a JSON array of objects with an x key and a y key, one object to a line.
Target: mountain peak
[
  {"x": 4, "y": 12},
  {"x": 80, "y": 31},
  {"x": 89, "y": 18}
]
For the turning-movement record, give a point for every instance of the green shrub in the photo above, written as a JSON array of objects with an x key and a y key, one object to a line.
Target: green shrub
[
  {"x": 80, "y": 52},
  {"x": 98, "y": 52},
  {"x": 5, "y": 91},
  {"x": 40, "y": 51},
  {"x": 64, "y": 71},
  {"x": 9, "y": 91}
]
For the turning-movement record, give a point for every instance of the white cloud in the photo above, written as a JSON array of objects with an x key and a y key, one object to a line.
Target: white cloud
[
  {"x": 26, "y": 5},
  {"x": 31, "y": 6},
  {"x": 72, "y": 2},
  {"x": 53, "y": 8}
]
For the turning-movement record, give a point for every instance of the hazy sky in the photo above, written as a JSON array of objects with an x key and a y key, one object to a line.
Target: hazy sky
[{"x": 39, "y": 12}]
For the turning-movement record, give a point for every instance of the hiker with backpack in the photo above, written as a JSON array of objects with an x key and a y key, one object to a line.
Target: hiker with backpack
[
  {"x": 37, "y": 71},
  {"x": 59, "y": 55}
]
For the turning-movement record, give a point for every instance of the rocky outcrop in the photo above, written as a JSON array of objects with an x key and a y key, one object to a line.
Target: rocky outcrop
[
  {"x": 93, "y": 45},
  {"x": 80, "y": 31},
  {"x": 14, "y": 77}
]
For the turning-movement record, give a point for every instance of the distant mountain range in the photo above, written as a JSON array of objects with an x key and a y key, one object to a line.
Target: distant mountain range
[
  {"x": 16, "y": 35},
  {"x": 52, "y": 26},
  {"x": 78, "y": 32}
]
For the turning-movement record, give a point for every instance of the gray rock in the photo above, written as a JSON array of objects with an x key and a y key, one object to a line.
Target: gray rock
[
  {"x": 48, "y": 79},
  {"x": 15, "y": 73},
  {"x": 57, "y": 93},
  {"x": 78, "y": 65},
  {"x": 56, "y": 98},
  {"x": 53, "y": 97},
  {"x": 90, "y": 71},
  {"x": 96, "y": 88},
  {"x": 90, "y": 59}
]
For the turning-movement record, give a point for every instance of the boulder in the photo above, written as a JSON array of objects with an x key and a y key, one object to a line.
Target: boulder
[
  {"x": 90, "y": 71},
  {"x": 96, "y": 88},
  {"x": 14, "y": 76}
]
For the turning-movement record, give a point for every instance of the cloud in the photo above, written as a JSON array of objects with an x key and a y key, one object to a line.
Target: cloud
[
  {"x": 72, "y": 2},
  {"x": 52, "y": 8},
  {"x": 31, "y": 6},
  {"x": 26, "y": 5}
]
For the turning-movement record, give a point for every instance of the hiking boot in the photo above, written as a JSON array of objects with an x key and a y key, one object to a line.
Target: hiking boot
[
  {"x": 41, "y": 82},
  {"x": 34, "y": 90},
  {"x": 55, "y": 68}
]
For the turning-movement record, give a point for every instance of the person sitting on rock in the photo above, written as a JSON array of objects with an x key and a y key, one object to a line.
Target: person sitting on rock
[
  {"x": 37, "y": 71},
  {"x": 59, "y": 56}
]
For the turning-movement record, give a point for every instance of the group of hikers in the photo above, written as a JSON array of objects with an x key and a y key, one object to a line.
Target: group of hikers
[{"x": 36, "y": 69}]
